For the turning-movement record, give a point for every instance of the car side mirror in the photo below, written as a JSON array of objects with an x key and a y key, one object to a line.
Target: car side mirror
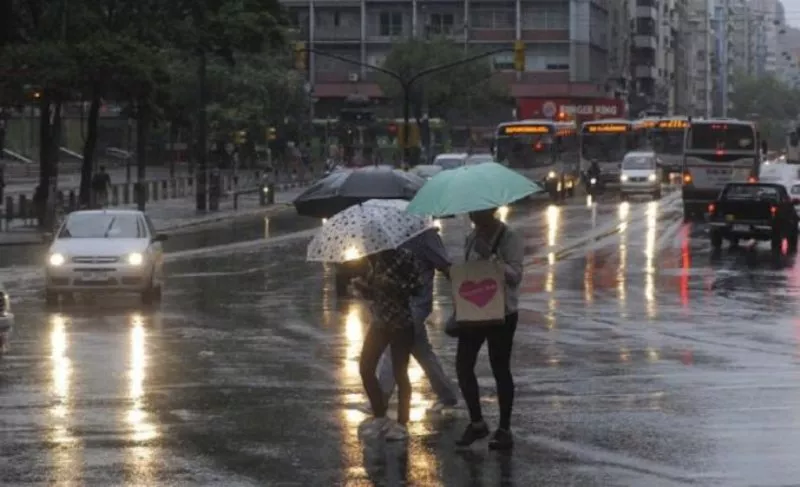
[{"x": 160, "y": 238}]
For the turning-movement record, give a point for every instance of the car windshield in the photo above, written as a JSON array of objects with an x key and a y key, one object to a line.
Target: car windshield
[
  {"x": 752, "y": 192},
  {"x": 638, "y": 162},
  {"x": 102, "y": 225},
  {"x": 449, "y": 162}
]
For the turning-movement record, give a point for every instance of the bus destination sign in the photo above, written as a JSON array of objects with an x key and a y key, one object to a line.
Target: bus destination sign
[
  {"x": 526, "y": 129},
  {"x": 606, "y": 128},
  {"x": 673, "y": 124}
]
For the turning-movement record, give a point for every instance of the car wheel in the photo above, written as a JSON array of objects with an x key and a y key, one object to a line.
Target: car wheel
[
  {"x": 50, "y": 298},
  {"x": 716, "y": 239},
  {"x": 793, "y": 241}
]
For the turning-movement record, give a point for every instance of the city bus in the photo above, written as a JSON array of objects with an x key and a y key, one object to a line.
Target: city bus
[
  {"x": 665, "y": 137},
  {"x": 793, "y": 146},
  {"x": 607, "y": 142},
  {"x": 543, "y": 151},
  {"x": 717, "y": 152}
]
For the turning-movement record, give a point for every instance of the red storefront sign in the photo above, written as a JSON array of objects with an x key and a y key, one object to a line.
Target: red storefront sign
[{"x": 570, "y": 108}]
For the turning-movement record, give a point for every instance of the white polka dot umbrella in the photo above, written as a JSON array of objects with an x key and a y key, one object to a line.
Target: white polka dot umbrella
[{"x": 364, "y": 230}]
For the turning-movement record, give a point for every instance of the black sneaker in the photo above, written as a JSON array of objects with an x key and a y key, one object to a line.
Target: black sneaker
[
  {"x": 501, "y": 440},
  {"x": 473, "y": 433}
]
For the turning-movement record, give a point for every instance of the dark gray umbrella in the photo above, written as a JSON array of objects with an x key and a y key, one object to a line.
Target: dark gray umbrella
[{"x": 343, "y": 189}]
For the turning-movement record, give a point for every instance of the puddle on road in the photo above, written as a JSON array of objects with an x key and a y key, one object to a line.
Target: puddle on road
[{"x": 240, "y": 230}]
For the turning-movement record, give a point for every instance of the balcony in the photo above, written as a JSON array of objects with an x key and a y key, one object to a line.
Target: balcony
[{"x": 337, "y": 34}]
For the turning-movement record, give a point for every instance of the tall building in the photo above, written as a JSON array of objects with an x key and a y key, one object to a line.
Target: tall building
[
  {"x": 658, "y": 61},
  {"x": 701, "y": 59},
  {"x": 566, "y": 45}
]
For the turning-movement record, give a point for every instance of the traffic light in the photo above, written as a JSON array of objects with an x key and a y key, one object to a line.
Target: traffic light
[
  {"x": 519, "y": 56},
  {"x": 300, "y": 54}
]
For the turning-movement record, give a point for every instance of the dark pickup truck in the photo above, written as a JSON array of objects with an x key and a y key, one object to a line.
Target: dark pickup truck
[{"x": 753, "y": 211}]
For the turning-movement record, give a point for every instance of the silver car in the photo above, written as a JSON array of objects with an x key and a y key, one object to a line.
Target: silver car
[{"x": 640, "y": 173}]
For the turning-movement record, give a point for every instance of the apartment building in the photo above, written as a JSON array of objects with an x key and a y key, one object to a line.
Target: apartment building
[
  {"x": 660, "y": 48},
  {"x": 701, "y": 58},
  {"x": 567, "y": 44}
]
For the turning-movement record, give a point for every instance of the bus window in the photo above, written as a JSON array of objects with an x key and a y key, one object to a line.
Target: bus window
[{"x": 721, "y": 136}]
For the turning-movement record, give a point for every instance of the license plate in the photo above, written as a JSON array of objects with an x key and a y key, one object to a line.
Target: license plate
[
  {"x": 741, "y": 228},
  {"x": 94, "y": 276}
]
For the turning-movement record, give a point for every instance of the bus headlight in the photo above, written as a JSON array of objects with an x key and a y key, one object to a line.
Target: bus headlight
[
  {"x": 623, "y": 178},
  {"x": 551, "y": 175},
  {"x": 651, "y": 177}
]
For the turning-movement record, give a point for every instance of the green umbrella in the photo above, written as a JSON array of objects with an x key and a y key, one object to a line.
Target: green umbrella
[{"x": 471, "y": 188}]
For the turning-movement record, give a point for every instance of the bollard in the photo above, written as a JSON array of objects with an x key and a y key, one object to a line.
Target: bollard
[
  {"x": 126, "y": 194},
  {"x": 115, "y": 195},
  {"x": 173, "y": 185},
  {"x": 9, "y": 211},
  {"x": 154, "y": 190},
  {"x": 22, "y": 210},
  {"x": 72, "y": 201},
  {"x": 214, "y": 190},
  {"x": 140, "y": 193},
  {"x": 164, "y": 190}
]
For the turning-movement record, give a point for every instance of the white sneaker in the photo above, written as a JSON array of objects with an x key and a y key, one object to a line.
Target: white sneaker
[
  {"x": 396, "y": 432},
  {"x": 372, "y": 428},
  {"x": 441, "y": 408}
]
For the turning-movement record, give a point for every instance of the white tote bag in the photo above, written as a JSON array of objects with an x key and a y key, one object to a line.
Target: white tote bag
[{"x": 479, "y": 297}]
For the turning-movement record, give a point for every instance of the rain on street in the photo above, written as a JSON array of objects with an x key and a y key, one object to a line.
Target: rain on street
[{"x": 640, "y": 359}]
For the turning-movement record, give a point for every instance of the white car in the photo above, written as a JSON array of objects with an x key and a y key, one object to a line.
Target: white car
[
  {"x": 640, "y": 173},
  {"x": 479, "y": 159},
  {"x": 107, "y": 251},
  {"x": 450, "y": 160},
  {"x": 6, "y": 319}
]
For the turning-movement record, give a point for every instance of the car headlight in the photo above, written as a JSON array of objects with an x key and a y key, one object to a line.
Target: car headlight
[
  {"x": 551, "y": 175},
  {"x": 135, "y": 258},
  {"x": 623, "y": 178},
  {"x": 651, "y": 177},
  {"x": 56, "y": 260}
]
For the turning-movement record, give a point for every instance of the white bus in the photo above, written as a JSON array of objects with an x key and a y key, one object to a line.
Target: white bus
[
  {"x": 607, "y": 142},
  {"x": 665, "y": 137},
  {"x": 717, "y": 152},
  {"x": 793, "y": 146},
  {"x": 543, "y": 151}
]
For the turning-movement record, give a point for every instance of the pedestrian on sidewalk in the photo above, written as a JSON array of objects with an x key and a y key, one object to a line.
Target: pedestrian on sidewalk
[
  {"x": 491, "y": 239},
  {"x": 394, "y": 277},
  {"x": 101, "y": 182},
  {"x": 431, "y": 254}
]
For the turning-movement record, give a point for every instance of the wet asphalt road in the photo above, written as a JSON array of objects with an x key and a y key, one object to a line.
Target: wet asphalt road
[{"x": 640, "y": 360}]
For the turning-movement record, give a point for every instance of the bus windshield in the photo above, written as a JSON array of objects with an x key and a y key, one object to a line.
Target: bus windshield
[
  {"x": 668, "y": 141},
  {"x": 525, "y": 151},
  {"x": 722, "y": 136},
  {"x": 605, "y": 147}
]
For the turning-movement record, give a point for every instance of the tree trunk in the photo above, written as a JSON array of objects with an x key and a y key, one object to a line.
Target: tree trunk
[
  {"x": 142, "y": 131},
  {"x": 89, "y": 146}
]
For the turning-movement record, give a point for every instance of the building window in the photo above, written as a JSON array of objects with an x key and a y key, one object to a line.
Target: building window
[
  {"x": 391, "y": 24},
  {"x": 546, "y": 17},
  {"x": 441, "y": 23},
  {"x": 492, "y": 19}
]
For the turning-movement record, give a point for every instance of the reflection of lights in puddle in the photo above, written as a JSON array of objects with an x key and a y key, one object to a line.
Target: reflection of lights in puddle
[
  {"x": 266, "y": 227},
  {"x": 588, "y": 279},
  {"x": 649, "y": 252},
  {"x": 553, "y": 214},
  {"x": 142, "y": 430},
  {"x": 652, "y": 354},
  {"x": 354, "y": 335},
  {"x": 589, "y": 201},
  {"x": 624, "y": 355}
]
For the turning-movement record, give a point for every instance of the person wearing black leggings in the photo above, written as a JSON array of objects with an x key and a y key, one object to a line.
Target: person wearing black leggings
[{"x": 491, "y": 239}]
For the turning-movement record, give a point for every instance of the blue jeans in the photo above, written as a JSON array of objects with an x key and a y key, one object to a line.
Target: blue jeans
[{"x": 423, "y": 352}]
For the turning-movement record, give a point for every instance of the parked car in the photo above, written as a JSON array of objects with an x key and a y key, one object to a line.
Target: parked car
[{"x": 105, "y": 251}]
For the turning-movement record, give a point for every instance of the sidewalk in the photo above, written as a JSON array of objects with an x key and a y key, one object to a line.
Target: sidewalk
[{"x": 172, "y": 216}]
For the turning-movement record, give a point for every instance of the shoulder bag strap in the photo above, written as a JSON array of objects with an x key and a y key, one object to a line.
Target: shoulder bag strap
[{"x": 497, "y": 240}]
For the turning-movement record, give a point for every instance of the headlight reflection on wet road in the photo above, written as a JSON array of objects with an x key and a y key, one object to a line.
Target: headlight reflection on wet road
[
  {"x": 66, "y": 456},
  {"x": 624, "y": 210},
  {"x": 553, "y": 216},
  {"x": 141, "y": 455},
  {"x": 650, "y": 251}
]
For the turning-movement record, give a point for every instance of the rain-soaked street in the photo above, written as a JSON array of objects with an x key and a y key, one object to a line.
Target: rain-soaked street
[{"x": 640, "y": 360}]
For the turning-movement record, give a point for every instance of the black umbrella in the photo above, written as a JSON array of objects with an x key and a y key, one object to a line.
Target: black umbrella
[{"x": 343, "y": 189}]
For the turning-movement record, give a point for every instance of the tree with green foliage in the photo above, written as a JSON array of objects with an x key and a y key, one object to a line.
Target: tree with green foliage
[
  {"x": 222, "y": 28},
  {"x": 445, "y": 93},
  {"x": 768, "y": 101}
]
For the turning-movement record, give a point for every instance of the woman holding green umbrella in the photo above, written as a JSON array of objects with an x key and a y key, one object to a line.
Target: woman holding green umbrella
[{"x": 479, "y": 190}]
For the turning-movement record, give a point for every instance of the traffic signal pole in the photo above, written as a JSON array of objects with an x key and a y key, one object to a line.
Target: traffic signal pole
[{"x": 407, "y": 83}]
